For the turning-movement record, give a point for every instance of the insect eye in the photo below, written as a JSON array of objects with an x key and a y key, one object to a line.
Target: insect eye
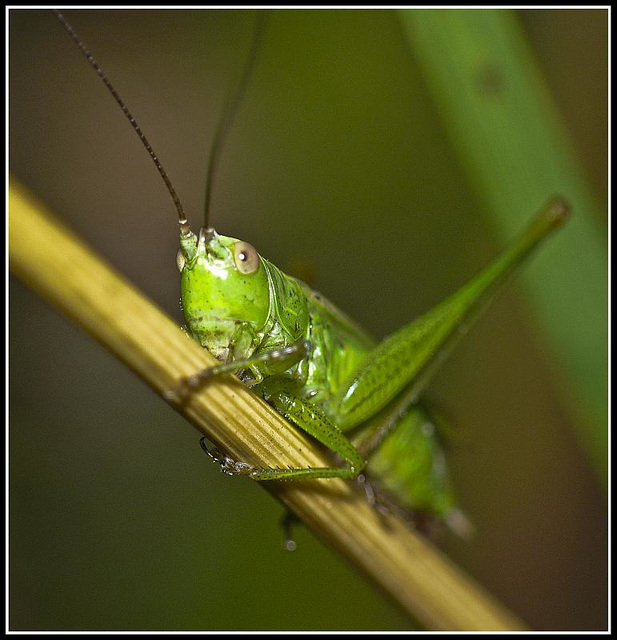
[
  {"x": 246, "y": 258},
  {"x": 180, "y": 260}
]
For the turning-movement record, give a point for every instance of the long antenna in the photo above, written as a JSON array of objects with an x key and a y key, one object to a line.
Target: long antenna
[
  {"x": 230, "y": 110},
  {"x": 182, "y": 221}
]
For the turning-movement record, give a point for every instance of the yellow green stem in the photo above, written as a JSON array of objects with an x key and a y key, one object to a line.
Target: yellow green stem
[{"x": 426, "y": 584}]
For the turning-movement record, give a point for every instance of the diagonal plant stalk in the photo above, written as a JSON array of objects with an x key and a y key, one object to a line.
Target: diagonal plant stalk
[{"x": 402, "y": 563}]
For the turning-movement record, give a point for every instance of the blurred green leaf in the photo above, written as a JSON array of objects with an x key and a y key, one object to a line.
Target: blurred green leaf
[{"x": 514, "y": 148}]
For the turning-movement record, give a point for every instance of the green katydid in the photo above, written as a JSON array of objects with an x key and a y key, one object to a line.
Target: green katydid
[{"x": 313, "y": 364}]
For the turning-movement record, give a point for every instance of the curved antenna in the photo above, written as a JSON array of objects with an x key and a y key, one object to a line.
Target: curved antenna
[
  {"x": 185, "y": 230},
  {"x": 230, "y": 110}
]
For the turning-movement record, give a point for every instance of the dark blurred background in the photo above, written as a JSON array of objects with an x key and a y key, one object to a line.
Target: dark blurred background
[{"x": 338, "y": 168}]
